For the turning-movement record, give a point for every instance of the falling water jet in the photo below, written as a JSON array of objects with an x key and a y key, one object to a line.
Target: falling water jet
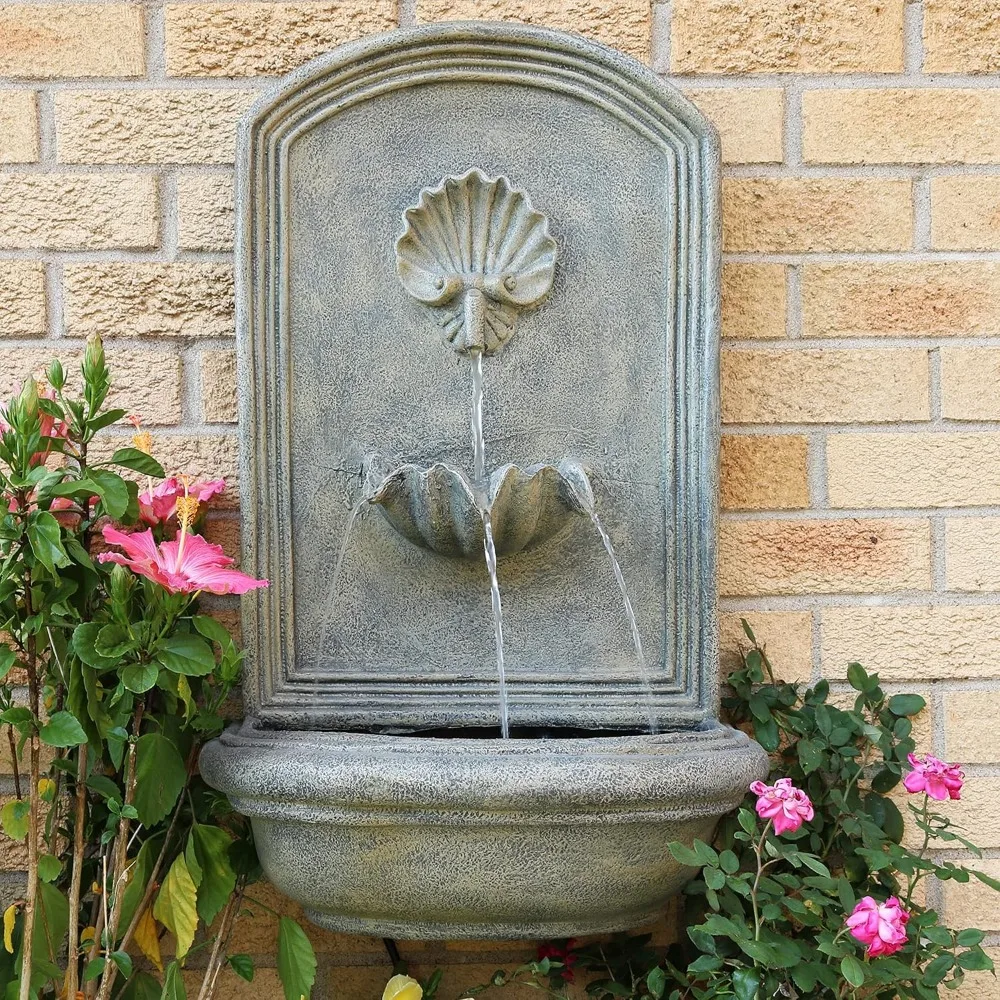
[
  {"x": 481, "y": 489},
  {"x": 630, "y": 615}
]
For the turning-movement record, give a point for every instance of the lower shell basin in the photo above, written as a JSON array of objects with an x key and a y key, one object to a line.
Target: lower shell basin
[
  {"x": 436, "y": 508},
  {"x": 427, "y": 838}
]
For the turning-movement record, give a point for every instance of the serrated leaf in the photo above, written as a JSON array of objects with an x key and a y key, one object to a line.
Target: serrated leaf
[
  {"x": 211, "y": 846},
  {"x": 176, "y": 905},
  {"x": 113, "y": 492},
  {"x": 746, "y": 984},
  {"x": 212, "y": 629},
  {"x": 242, "y": 966},
  {"x": 147, "y": 938},
  {"x": 93, "y": 969},
  {"x": 906, "y": 704},
  {"x": 49, "y": 868},
  {"x": 296, "y": 960},
  {"x": 969, "y": 938},
  {"x": 139, "y": 677},
  {"x": 124, "y": 962},
  {"x": 975, "y": 960},
  {"x": 173, "y": 983},
  {"x": 857, "y": 678},
  {"x": 45, "y": 539},
  {"x": 187, "y": 654},
  {"x": 113, "y": 641},
  {"x": 684, "y": 854},
  {"x": 62, "y": 730},
  {"x": 138, "y": 461},
  {"x": 15, "y": 818},
  {"x": 160, "y": 776},
  {"x": 852, "y": 970}
]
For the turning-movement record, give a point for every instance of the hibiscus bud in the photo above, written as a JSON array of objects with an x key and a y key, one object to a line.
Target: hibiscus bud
[
  {"x": 55, "y": 375},
  {"x": 93, "y": 359},
  {"x": 402, "y": 988},
  {"x": 28, "y": 400},
  {"x": 121, "y": 585}
]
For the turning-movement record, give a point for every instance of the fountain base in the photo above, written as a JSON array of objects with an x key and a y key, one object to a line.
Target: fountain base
[{"x": 483, "y": 838}]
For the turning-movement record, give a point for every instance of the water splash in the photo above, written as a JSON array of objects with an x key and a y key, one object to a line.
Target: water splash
[
  {"x": 640, "y": 656},
  {"x": 481, "y": 488},
  {"x": 331, "y": 597}
]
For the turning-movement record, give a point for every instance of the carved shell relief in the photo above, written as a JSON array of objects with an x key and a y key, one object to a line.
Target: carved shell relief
[{"x": 475, "y": 250}]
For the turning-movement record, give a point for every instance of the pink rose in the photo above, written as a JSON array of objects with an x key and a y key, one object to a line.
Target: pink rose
[
  {"x": 782, "y": 802},
  {"x": 881, "y": 927},
  {"x": 937, "y": 778}
]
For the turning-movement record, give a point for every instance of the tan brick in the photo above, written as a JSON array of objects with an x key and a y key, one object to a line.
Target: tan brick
[
  {"x": 764, "y": 472},
  {"x": 981, "y": 985},
  {"x": 807, "y": 386},
  {"x": 224, "y": 531},
  {"x": 132, "y": 300},
  {"x": 218, "y": 386},
  {"x": 901, "y": 300},
  {"x": 823, "y": 557},
  {"x": 622, "y": 24},
  {"x": 913, "y": 643},
  {"x": 966, "y": 739},
  {"x": 149, "y": 126},
  {"x": 801, "y": 215},
  {"x": 147, "y": 382},
  {"x": 204, "y": 457},
  {"x": 753, "y": 300},
  {"x": 961, "y": 36},
  {"x": 972, "y": 554},
  {"x": 229, "y": 986},
  {"x": 78, "y": 212},
  {"x": 975, "y": 814},
  {"x": 205, "y": 212},
  {"x": 22, "y": 299},
  {"x": 913, "y": 470},
  {"x": 41, "y": 41},
  {"x": 750, "y": 122},
  {"x": 901, "y": 126},
  {"x": 264, "y": 39},
  {"x": 970, "y": 383},
  {"x": 18, "y": 126},
  {"x": 786, "y": 36},
  {"x": 785, "y": 635},
  {"x": 965, "y": 212},
  {"x": 974, "y": 904}
]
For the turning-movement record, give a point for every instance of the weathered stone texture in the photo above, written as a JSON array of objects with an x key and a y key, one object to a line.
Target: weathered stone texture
[
  {"x": 205, "y": 212},
  {"x": 144, "y": 382},
  {"x": 785, "y": 635},
  {"x": 966, "y": 739},
  {"x": 803, "y": 214},
  {"x": 43, "y": 41},
  {"x": 22, "y": 299},
  {"x": 810, "y": 386},
  {"x": 901, "y": 300},
  {"x": 78, "y": 211},
  {"x": 218, "y": 386},
  {"x": 919, "y": 125},
  {"x": 853, "y": 556},
  {"x": 622, "y": 24},
  {"x": 18, "y": 126},
  {"x": 149, "y": 126},
  {"x": 264, "y": 39},
  {"x": 753, "y": 300},
  {"x": 913, "y": 470},
  {"x": 972, "y": 554},
  {"x": 961, "y": 36},
  {"x": 965, "y": 212},
  {"x": 786, "y": 36},
  {"x": 970, "y": 383},
  {"x": 132, "y": 300},
  {"x": 764, "y": 472},
  {"x": 750, "y": 122},
  {"x": 914, "y": 643}
]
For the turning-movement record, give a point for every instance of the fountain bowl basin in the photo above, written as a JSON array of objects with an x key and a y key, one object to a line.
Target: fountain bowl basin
[{"x": 421, "y": 838}]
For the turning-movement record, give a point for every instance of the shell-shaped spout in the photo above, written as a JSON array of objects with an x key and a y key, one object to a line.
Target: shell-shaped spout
[
  {"x": 437, "y": 509},
  {"x": 475, "y": 249}
]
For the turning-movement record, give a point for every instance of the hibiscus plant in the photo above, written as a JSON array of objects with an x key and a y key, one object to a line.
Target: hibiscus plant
[
  {"x": 815, "y": 886},
  {"x": 111, "y": 680}
]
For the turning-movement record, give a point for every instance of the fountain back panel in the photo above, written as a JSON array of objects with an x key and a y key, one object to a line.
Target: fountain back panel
[{"x": 479, "y": 297}]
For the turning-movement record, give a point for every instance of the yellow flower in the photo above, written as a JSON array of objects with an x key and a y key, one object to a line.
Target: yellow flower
[{"x": 402, "y": 988}]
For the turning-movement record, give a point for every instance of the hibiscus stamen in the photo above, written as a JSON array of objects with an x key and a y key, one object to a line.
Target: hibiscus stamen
[{"x": 187, "y": 510}]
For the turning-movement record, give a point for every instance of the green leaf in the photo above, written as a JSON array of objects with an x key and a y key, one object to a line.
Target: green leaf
[
  {"x": 242, "y": 966},
  {"x": 746, "y": 984},
  {"x": 296, "y": 960},
  {"x": 186, "y": 654},
  {"x": 851, "y": 969},
  {"x": 211, "y": 847},
  {"x": 7, "y": 660},
  {"x": 113, "y": 492},
  {"x": 138, "y": 461},
  {"x": 85, "y": 646},
  {"x": 212, "y": 629},
  {"x": 124, "y": 962},
  {"x": 113, "y": 641},
  {"x": 139, "y": 677},
  {"x": 52, "y": 922},
  {"x": 176, "y": 905},
  {"x": 857, "y": 678},
  {"x": 656, "y": 982},
  {"x": 975, "y": 960},
  {"x": 810, "y": 755},
  {"x": 767, "y": 735},
  {"x": 62, "y": 730},
  {"x": 93, "y": 969},
  {"x": 160, "y": 776},
  {"x": 173, "y": 983},
  {"x": 141, "y": 986},
  {"x": 45, "y": 539},
  {"x": 49, "y": 868},
  {"x": 814, "y": 863},
  {"x": 729, "y": 862},
  {"x": 986, "y": 879},
  {"x": 969, "y": 938},
  {"x": 15, "y": 818},
  {"x": 906, "y": 704},
  {"x": 684, "y": 854}
]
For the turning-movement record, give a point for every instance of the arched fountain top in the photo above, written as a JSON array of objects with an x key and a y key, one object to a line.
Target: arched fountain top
[{"x": 616, "y": 368}]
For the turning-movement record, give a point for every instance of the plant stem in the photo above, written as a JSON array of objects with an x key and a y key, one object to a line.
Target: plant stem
[
  {"x": 72, "y": 952},
  {"x": 13, "y": 761},
  {"x": 218, "y": 959},
  {"x": 758, "y": 853}
]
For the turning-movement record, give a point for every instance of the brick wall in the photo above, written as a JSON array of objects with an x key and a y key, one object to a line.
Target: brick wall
[{"x": 861, "y": 462}]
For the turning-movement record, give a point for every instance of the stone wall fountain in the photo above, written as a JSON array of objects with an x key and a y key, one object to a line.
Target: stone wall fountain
[{"x": 479, "y": 346}]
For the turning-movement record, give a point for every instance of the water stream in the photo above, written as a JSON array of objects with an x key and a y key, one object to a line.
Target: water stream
[
  {"x": 481, "y": 487},
  {"x": 630, "y": 615}
]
